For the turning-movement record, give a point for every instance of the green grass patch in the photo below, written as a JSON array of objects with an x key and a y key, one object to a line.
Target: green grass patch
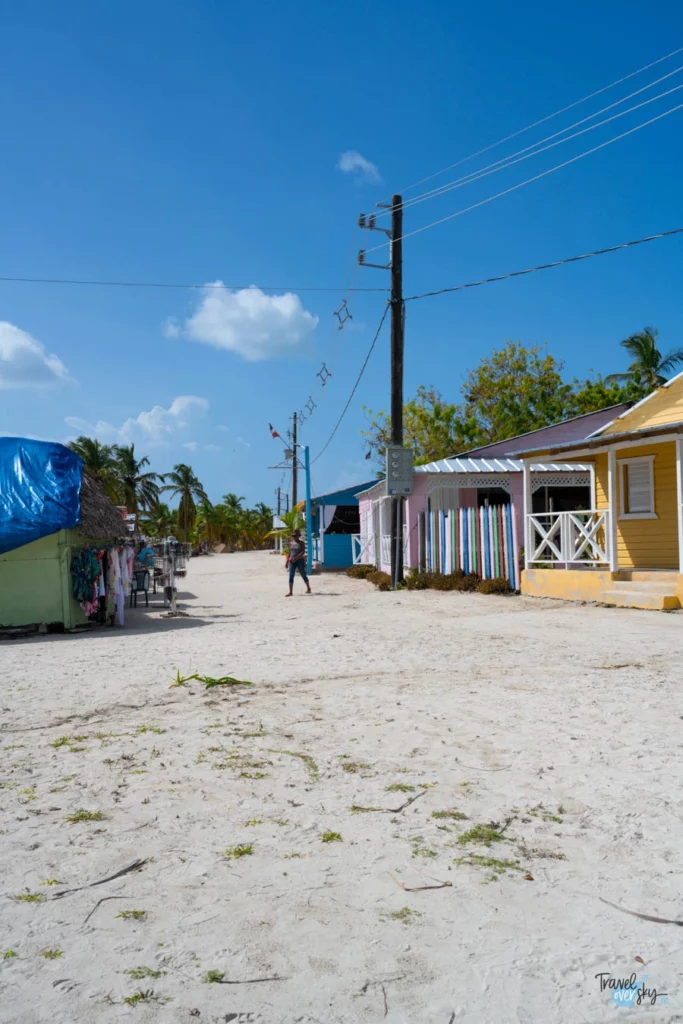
[
  {"x": 405, "y": 915},
  {"x": 483, "y": 835},
  {"x": 499, "y": 867},
  {"x": 309, "y": 764},
  {"x": 133, "y": 915},
  {"x": 419, "y": 848},
  {"x": 141, "y": 729},
  {"x": 82, "y": 815},
  {"x": 213, "y": 977},
  {"x": 292, "y": 855},
  {"x": 9, "y": 954},
  {"x": 139, "y": 973},
  {"x": 51, "y": 881},
  {"x": 331, "y": 837},
  {"x": 253, "y": 821},
  {"x": 51, "y": 954},
  {"x": 63, "y": 741},
  {"x": 145, "y": 996},
  {"x": 241, "y": 850},
  {"x": 253, "y": 735},
  {"x": 399, "y": 787},
  {"x": 351, "y": 767},
  {"x": 450, "y": 815},
  {"x": 539, "y": 811},
  {"x": 30, "y": 897}
]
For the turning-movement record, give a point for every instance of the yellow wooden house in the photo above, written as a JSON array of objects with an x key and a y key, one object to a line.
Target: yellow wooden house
[{"x": 627, "y": 548}]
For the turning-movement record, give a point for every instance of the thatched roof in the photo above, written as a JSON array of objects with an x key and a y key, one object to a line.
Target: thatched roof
[{"x": 100, "y": 518}]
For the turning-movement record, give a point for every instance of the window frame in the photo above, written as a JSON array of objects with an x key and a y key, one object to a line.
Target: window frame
[{"x": 649, "y": 461}]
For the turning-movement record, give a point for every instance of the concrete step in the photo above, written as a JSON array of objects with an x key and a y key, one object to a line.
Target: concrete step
[
  {"x": 646, "y": 586},
  {"x": 647, "y": 576},
  {"x": 624, "y": 598}
]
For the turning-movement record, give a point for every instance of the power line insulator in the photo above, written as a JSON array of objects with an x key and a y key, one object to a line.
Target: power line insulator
[
  {"x": 361, "y": 220},
  {"x": 361, "y": 256}
]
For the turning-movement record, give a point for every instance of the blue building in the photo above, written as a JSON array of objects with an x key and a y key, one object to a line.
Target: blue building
[{"x": 335, "y": 522}]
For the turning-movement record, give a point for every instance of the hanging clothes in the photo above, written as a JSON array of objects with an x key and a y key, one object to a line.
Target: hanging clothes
[{"x": 85, "y": 571}]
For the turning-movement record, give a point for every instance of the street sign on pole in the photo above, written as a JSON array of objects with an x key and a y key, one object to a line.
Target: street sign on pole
[{"x": 399, "y": 470}]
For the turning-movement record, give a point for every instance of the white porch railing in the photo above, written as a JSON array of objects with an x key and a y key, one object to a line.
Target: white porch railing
[
  {"x": 581, "y": 538},
  {"x": 361, "y": 549},
  {"x": 315, "y": 549}
]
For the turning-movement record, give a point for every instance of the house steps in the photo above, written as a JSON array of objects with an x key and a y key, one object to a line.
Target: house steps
[{"x": 643, "y": 589}]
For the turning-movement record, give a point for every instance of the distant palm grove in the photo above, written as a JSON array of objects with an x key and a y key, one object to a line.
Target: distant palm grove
[{"x": 129, "y": 481}]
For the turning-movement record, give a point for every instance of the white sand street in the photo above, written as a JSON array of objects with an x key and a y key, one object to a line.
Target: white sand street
[{"x": 294, "y": 832}]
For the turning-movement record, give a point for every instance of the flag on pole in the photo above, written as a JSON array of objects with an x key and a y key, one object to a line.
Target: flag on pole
[{"x": 273, "y": 431}]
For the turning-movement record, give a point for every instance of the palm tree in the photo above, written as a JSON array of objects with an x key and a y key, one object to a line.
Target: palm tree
[
  {"x": 99, "y": 461},
  {"x": 158, "y": 521},
  {"x": 233, "y": 501},
  {"x": 649, "y": 366},
  {"x": 293, "y": 520},
  {"x": 183, "y": 484},
  {"x": 136, "y": 488}
]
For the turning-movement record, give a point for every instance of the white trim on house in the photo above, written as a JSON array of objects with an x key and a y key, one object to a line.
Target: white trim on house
[
  {"x": 650, "y": 513},
  {"x": 667, "y": 384}
]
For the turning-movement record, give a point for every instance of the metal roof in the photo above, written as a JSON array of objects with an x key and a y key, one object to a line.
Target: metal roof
[{"x": 465, "y": 465}]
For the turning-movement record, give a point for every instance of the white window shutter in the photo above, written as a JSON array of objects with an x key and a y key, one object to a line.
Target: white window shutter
[{"x": 640, "y": 487}]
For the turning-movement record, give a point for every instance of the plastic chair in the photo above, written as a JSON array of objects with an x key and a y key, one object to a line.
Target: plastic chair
[{"x": 140, "y": 582}]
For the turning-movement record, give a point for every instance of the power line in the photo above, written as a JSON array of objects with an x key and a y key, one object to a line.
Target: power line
[
  {"x": 508, "y": 161},
  {"x": 546, "y": 266},
  {"x": 157, "y": 284},
  {"x": 536, "y": 177},
  {"x": 542, "y": 120},
  {"x": 355, "y": 386}
]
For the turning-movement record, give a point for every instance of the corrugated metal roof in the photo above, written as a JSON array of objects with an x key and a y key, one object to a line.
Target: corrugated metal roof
[{"x": 464, "y": 465}]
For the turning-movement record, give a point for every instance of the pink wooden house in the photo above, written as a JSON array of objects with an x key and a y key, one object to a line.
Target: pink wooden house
[{"x": 489, "y": 475}]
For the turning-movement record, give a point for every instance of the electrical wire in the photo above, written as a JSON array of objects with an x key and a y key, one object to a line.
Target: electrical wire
[
  {"x": 157, "y": 284},
  {"x": 508, "y": 161},
  {"x": 542, "y": 120},
  {"x": 546, "y": 266},
  {"x": 536, "y": 177},
  {"x": 355, "y": 386}
]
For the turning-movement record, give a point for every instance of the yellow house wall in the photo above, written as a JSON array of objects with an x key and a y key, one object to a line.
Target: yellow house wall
[
  {"x": 566, "y": 584},
  {"x": 664, "y": 406},
  {"x": 645, "y": 543}
]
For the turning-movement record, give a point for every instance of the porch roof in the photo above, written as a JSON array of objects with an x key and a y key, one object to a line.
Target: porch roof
[
  {"x": 605, "y": 441},
  {"x": 506, "y": 465}
]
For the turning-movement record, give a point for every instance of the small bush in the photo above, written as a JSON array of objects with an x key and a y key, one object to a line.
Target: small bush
[
  {"x": 382, "y": 580},
  {"x": 499, "y": 585},
  {"x": 360, "y": 572},
  {"x": 417, "y": 581}
]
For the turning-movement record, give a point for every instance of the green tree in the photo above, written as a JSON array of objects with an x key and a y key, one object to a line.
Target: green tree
[
  {"x": 599, "y": 392},
  {"x": 649, "y": 367},
  {"x": 98, "y": 459},
  {"x": 182, "y": 483},
  {"x": 136, "y": 489},
  {"x": 233, "y": 501},
  {"x": 432, "y": 427},
  {"x": 515, "y": 390},
  {"x": 158, "y": 521}
]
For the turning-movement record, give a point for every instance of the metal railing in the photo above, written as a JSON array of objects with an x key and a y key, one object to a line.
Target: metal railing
[{"x": 570, "y": 538}]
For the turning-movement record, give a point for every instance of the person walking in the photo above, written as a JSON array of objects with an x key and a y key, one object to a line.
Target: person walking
[{"x": 297, "y": 562}]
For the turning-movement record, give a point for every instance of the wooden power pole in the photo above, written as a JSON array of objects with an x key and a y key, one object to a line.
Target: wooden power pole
[
  {"x": 294, "y": 463},
  {"x": 397, "y": 321}
]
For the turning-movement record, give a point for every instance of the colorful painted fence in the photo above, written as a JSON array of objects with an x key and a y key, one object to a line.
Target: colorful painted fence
[{"x": 479, "y": 540}]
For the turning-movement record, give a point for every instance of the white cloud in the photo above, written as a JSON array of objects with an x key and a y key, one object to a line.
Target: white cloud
[
  {"x": 170, "y": 327},
  {"x": 254, "y": 325},
  {"x": 158, "y": 426},
  {"x": 191, "y": 445},
  {"x": 353, "y": 162},
  {"x": 24, "y": 363},
  {"x": 213, "y": 447}
]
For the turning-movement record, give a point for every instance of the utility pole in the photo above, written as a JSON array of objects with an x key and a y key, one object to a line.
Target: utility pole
[
  {"x": 397, "y": 321},
  {"x": 278, "y": 501},
  {"x": 395, "y": 459},
  {"x": 294, "y": 463}
]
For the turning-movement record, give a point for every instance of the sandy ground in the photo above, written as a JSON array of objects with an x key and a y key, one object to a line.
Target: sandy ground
[{"x": 559, "y": 724}]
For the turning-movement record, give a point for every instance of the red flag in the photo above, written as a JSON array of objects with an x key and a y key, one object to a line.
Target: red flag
[{"x": 273, "y": 431}]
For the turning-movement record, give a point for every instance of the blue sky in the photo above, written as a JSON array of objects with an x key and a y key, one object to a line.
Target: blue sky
[{"x": 201, "y": 142}]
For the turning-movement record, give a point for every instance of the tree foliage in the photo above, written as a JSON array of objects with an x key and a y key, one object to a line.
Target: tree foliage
[{"x": 513, "y": 391}]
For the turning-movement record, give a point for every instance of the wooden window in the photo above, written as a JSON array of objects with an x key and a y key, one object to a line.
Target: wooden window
[{"x": 637, "y": 488}]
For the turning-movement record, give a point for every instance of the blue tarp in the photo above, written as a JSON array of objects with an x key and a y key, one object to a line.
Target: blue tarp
[{"x": 40, "y": 486}]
